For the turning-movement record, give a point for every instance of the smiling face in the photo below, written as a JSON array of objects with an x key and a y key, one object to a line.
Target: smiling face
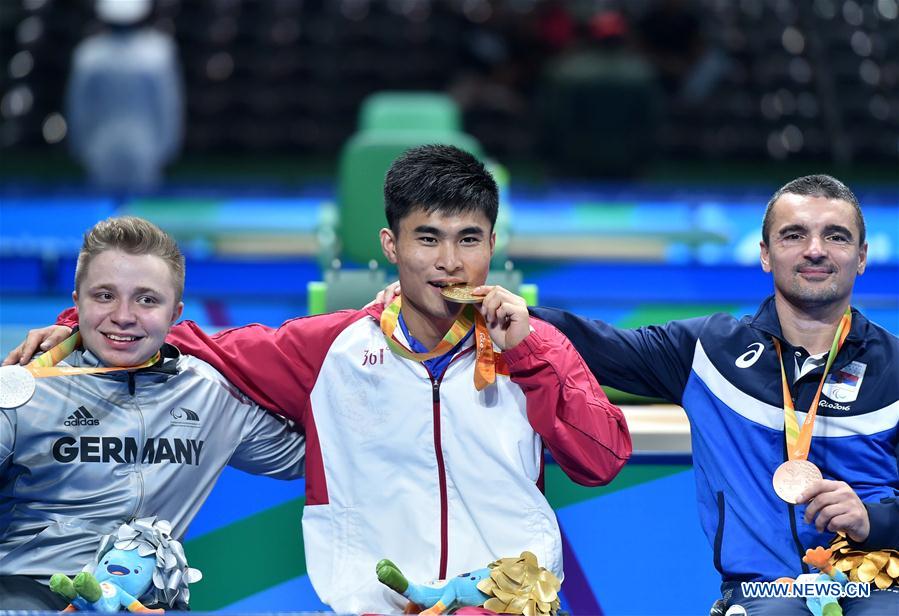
[
  {"x": 434, "y": 250},
  {"x": 126, "y": 306},
  {"x": 813, "y": 250}
]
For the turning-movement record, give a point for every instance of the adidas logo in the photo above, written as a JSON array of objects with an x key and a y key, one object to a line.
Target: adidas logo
[
  {"x": 81, "y": 417},
  {"x": 184, "y": 415}
]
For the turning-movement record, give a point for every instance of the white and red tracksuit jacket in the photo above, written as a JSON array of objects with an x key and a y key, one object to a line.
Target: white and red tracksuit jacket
[{"x": 432, "y": 474}]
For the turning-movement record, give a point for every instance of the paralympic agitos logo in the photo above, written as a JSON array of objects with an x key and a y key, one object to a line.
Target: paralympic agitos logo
[{"x": 126, "y": 450}]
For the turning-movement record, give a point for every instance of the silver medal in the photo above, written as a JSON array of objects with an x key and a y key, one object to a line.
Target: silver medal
[{"x": 16, "y": 386}]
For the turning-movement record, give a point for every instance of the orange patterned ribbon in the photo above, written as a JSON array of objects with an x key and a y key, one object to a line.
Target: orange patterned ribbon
[
  {"x": 45, "y": 365},
  {"x": 485, "y": 369},
  {"x": 799, "y": 442}
]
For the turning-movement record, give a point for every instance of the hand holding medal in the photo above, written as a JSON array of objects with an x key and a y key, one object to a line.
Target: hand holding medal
[
  {"x": 795, "y": 476},
  {"x": 505, "y": 314},
  {"x": 502, "y": 318}
]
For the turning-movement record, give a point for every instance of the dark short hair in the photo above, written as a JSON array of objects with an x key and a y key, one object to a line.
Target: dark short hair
[
  {"x": 819, "y": 185},
  {"x": 438, "y": 178}
]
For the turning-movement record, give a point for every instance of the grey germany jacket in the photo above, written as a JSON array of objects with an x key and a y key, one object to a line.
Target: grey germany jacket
[{"x": 89, "y": 452}]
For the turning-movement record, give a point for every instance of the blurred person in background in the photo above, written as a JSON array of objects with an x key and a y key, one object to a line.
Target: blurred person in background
[
  {"x": 125, "y": 101},
  {"x": 599, "y": 104},
  {"x": 670, "y": 34}
]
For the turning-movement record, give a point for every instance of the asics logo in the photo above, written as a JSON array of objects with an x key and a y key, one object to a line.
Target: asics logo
[{"x": 751, "y": 356}]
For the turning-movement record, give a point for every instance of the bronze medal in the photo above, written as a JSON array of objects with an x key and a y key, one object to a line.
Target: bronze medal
[
  {"x": 793, "y": 477},
  {"x": 16, "y": 386},
  {"x": 461, "y": 294}
]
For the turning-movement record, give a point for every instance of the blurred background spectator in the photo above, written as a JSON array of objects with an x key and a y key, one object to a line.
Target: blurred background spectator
[
  {"x": 753, "y": 80},
  {"x": 124, "y": 99},
  {"x": 599, "y": 103},
  {"x": 671, "y": 34}
]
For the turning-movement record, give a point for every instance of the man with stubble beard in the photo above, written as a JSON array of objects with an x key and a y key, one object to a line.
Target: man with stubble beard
[{"x": 748, "y": 386}]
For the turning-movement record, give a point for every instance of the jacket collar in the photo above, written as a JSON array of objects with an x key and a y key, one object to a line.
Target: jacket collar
[
  {"x": 766, "y": 320},
  {"x": 167, "y": 364},
  {"x": 376, "y": 309}
]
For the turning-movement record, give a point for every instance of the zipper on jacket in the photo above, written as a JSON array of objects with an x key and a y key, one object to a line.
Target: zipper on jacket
[
  {"x": 799, "y": 549},
  {"x": 719, "y": 533},
  {"x": 791, "y": 511},
  {"x": 141, "y": 438},
  {"x": 441, "y": 475},
  {"x": 441, "y": 467}
]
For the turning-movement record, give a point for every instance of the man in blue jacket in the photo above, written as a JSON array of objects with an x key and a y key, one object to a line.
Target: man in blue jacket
[{"x": 728, "y": 376}]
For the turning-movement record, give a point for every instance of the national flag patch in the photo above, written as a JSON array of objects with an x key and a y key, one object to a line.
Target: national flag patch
[{"x": 842, "y": 385}]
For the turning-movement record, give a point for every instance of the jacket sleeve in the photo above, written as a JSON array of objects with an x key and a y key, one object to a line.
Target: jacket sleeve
[
  {"x": 68, "y": 317},
  {"x": 884, "y": 519},
  {"x": 263, "y": 362},
  {"x": 270, "y": 446},
  {"x": 649, "y": 361},
  {"x": 586, "y": 434},
  {"x": 7, "y": 440}
]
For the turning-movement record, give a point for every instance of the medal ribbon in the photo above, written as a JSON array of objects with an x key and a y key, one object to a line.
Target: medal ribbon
[
  {"x": 485, "y": 370},
  {"x": 45, "y": 365},
  {"x": 799, "y": 442}
]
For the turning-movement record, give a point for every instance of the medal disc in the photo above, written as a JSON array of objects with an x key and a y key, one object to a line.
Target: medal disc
[
  {"x": 793, "y": 477},
  {"x": 461, "y": 294},
  {"x": 16, "y": 386}
]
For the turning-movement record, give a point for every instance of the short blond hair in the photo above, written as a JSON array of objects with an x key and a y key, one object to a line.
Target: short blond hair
[{"x": 134, "y": 236}]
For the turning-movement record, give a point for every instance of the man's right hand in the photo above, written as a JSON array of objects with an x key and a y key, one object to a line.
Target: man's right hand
[{"x": 42, "y": 339}]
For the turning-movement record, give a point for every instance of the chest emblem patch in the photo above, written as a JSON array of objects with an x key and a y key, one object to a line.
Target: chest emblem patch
[{"x": 842, "y": 385}]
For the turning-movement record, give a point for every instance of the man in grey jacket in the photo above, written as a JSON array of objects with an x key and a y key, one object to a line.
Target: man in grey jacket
[{"x": 91, "y": 450}]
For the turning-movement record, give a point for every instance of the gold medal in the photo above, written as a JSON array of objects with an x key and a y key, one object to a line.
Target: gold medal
[
  {"x": 16, "y": 386},
  {"x": 461, "y": 294},
  {"x": 793, "y": 477}
]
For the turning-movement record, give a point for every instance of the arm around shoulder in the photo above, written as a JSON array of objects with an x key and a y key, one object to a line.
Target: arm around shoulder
[
  {"x": 586, "y": 434},
  {"x": 276, "y": 367},
  {"x": 270, "y": 446},
  {"x": 648, "y": 361}
]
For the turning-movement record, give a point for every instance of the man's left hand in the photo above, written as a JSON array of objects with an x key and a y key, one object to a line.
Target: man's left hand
[
  {"x": 506, "y": 315},
  {"x": 835, "y": 506}
]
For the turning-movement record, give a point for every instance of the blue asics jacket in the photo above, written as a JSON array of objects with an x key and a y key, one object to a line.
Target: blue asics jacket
[{"x": 726, "y": 375}]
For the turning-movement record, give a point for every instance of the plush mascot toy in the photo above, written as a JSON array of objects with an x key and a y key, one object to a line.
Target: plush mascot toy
[
  {"x": 820, "y": 559},
  {"x": 140, "y": 563},
  {"x": 118, "y": 580},
  {"x": 460, "y": 591},
  {"x": 508, "y": 585}
]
